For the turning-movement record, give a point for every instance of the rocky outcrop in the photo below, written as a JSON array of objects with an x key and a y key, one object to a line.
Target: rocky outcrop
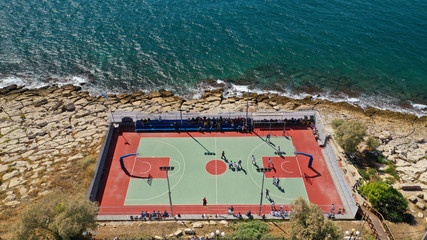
[{"x": 45, "y": 131}]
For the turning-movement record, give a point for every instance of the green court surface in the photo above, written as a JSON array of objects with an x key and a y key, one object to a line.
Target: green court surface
[{"x": 190, "y": 181}]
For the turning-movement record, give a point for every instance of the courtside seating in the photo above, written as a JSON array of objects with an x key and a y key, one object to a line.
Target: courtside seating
[{"x": 168, "y": 125}]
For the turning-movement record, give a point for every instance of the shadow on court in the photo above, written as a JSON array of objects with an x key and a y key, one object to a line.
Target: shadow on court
[
  {"x": 269, "y": 143},
  {"x": 308, "y": 178},
  {"x": 207, "y": 151}
]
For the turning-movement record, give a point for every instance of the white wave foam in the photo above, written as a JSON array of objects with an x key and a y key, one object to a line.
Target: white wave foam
[
  {"x": 379, "y": 101},
  {"x": 4, "y": 82}
]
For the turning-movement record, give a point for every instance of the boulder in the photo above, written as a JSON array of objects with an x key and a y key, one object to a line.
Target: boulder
[
  {"x": 178, "y": 233},
  {"x": 413, "y": 199},
  {"x": 420, "y": 215},
  {"x": 14, "y": 182},
  {"x": 12, "y": 203},
  {"x": 197, "y": 225},
  {"x": 56, "y": 105},
  {"x": 69, "y": 107},
  {"x": 40, "y": 102},
  {"x": 421, "y": 206},
  {"x": 3, "y": 168},
  {"x": 415, "y": 155},
  {"x": 158, "y": 237},
  {"x": 10, "y": 175},
  {"x": 189, "y": 231},
  {"x": 224, "y": 222},
  {"x": 420, "y": 195},
  {"x": 41, "y": 123}
]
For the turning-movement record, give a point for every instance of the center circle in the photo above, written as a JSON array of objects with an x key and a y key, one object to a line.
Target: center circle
[{"x": 216, "y": 167}]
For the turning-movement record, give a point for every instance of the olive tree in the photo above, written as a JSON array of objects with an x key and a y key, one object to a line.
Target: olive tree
[
  {"x": 56, "y": 216},
  {"x": 308, "y": 222},
  {"x": 348, "y": 133}
]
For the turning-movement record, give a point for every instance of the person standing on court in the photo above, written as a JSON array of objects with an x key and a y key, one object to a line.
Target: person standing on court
[
  {"x": 270, "y": 162},
  {"x": 205, "y": 202},
  {"x": 268, "y": 137},
  {"x": 253, "y": 160},
  {"x": 267, "y": 193},
  {"x": 223, "y": 155}
]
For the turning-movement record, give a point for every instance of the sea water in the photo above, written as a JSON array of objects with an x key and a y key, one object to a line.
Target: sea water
[{"x": 370, "y": 53}]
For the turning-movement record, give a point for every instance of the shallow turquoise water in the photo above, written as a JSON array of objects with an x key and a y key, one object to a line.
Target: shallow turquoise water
[{"x": 375, "y": 52}]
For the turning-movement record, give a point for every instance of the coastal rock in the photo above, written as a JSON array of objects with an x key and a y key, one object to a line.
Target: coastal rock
[
  {"x": 8, "y": 89},
  {"x": 423, "y": 177},
  {"x": 413, "y": 199},
  {"x": 189, "y": 231},
  {"x": 12, "y": 203},
  {"x": 40, "y": 102},
  {"x": 197, "y": 225},
  {"x": 10, "y": 175},
  {"x": 3, "y": 168},
  {"x": 56, "y": 105},
  {"x": 41, "y": 123},
  {"x": 223, "y": 222},
  {"x": 421, "y": 206},
  {"x": 416, "y": 154},
  {"x": 14, "y": 182},
  {"x": 68, "y": 106},
  {"x": 178, "y": 233}
]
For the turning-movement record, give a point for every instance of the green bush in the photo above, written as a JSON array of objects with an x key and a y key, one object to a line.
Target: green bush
[
  {"x": 348, "y": 134},
  {"x": 386, "y": 200},
  {"x": 392, "y": 171},
  {"x": 56, "y": 216},
  {"x": 373, "y": 143},
  {"x": 254, "y": 229},
  {"x": 381, "y": 159}
]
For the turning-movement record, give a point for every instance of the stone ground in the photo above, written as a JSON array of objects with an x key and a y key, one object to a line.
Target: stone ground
[
  {"x": 134, "y": 230},
  {"x": 50, "y": 137}
]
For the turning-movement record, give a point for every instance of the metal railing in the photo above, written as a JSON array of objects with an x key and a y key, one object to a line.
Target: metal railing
[{"x": 381, "y": 218}]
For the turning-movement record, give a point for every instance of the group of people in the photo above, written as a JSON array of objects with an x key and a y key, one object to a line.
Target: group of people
[
  {"x": 154, "y": 215},
  {"x": 282, "y": 213}
]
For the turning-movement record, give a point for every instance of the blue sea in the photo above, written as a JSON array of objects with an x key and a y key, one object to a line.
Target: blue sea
[{"x": 369, "y": 53}]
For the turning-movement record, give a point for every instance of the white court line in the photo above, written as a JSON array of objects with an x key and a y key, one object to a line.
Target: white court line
[
  {"x": 173, "y": 186},
  {"x": 296, "y": 157},
  {"x": 282, "y": 166},
  {"x": 216, "y": 178},
  {"x": 134, "y": 162}
]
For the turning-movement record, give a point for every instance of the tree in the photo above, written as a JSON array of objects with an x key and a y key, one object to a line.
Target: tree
[
  {"x": 348, "y": 134},
  {"x": 386, "y": 200},
  {"x": 56, "y": 216},
  {"x": 372, "y": 143},
  {"x": 309, "y": 222}
]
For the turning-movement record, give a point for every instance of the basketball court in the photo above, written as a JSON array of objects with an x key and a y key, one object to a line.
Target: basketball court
[{"x": 138, "y": 184}]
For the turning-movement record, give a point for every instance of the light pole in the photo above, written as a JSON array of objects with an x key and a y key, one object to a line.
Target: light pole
[
  {"x": 167, "y": 169},
  {"x": 262, "y": 170}
]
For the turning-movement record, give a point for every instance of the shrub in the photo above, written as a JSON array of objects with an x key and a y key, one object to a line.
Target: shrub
[
  {"x": 309, "y": 222},
  {"x": 56, "y": 216},
  {"x": 348, "y": 134},
  {"x": 250, "y": 230},
  {"x": 372, "y": 143},
  {"x": 386, "y": 200}
]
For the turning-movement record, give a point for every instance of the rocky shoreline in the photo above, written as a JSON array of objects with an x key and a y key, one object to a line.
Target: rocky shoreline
[{"x": 44, "y": 131}]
